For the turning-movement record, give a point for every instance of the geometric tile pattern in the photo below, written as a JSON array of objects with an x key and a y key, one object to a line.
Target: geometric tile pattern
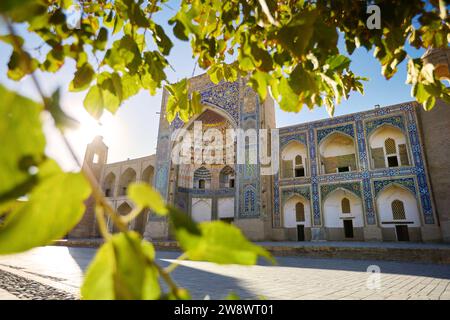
[{"x": 402, "y": 116}]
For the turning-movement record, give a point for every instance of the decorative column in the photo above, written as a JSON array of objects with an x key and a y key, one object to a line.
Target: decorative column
[
  {"x": 371, "y": 230},
  {"x": 317, "y": 229}
]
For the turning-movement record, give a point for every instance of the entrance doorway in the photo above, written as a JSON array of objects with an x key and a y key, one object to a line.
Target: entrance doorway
[
  {"x": 348, "y": 228},
  {"x": 301, "y": 232},
  {"x": 402, "y": 233}
]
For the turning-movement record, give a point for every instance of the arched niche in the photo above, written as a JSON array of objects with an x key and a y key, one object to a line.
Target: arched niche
[
  {"x": 127, "y": 177},
  {"x": 335, "y": 209},
  {"x": 123, "y": 209},
  {"x": 292, "y": 211},
  {"x": 227, "y": 177},
  {"x": 388, "y": 147},
  {"x": 384, "y": 201},
  {"x": 202, "y": 178},
  {"x": 147, "y": 174},
  {"x": 294, "y": 160},
  {"x": 337, "y": 153},
  {"x": 109, "y": 183}
]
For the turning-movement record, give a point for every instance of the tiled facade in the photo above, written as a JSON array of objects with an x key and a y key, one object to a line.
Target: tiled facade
[{"x": 261, "y": 202}]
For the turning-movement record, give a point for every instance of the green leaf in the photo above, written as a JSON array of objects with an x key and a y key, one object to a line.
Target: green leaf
[
  {"x": 102, "y": 38},
  {"x": 22, "y": 140},
  {"x": 53, "y": 208},
  {"x": 124, "y": 55},
  {"x": 146, "y": 197},
  {"x": 260, "y": 81},
  {"x": 20, "y": 64},
  {"x": 162, "y": 40},
  {"x": 338, "y": 62},
  {"x": 62, "y": 120},
  {"x": 93, "y": 102},
  {"x": 83, "y": 78},
  {"x": 215, "y": 241},
  {"x": 122, "y": 269}
]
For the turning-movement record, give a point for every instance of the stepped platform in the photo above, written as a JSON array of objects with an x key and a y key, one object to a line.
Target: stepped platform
[{"x": 389, "y": 251}]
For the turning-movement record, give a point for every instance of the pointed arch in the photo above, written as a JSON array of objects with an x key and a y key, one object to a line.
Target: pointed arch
[
  {"x": 127, "y": 177},
  {"x": 147, "y": 174},
  {"x": 333, "y": 208},
  {"x": 202, "y": 178},
  {"x": 396, "y": 201},
  {"x": 109, "y": 183},
  {"x": 337, "y": 153},
  {"x": 293, "y": 159},
  {"x": 296, "y": 210},
  {"x": 227, "y": 177},
  {"x": 388, "y": 147}
]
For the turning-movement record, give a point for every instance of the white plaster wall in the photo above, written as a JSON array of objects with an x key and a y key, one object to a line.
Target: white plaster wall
[
  {"x": 384, "y": 201},
  {"x": 337, "y": 145},
  {"x": 289, "y": 218},
  {"x": 378, "y": 138},
  {"x": 293, "y": 149},
  {"x": 225, "y": 206},
  {"x": 201, "y": 209},
  {"x": 332, "y": 209}
]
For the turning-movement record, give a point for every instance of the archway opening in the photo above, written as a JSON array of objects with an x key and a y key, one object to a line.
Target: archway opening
[
  {"x": 337, "y": 154},
  {"x": 398, "y": 214},
  {"x": 108, "y": 184},
  {"x": 388, "y": 148},
  {"x": 147, "y": 175},
  {"x": 127, "y": 177},
  {"x": 226, "y": 177},
  {"x": 343, "y": 215},
  {"x": 294, "y": 160}
]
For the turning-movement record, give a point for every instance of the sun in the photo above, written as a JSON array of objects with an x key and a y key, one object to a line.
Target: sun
[{"x": 108, "y": 126}]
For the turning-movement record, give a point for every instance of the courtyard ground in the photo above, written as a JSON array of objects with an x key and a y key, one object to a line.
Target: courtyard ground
[{"x": 56, "y": 272}]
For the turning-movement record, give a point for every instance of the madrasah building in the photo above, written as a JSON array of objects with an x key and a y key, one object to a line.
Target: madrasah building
[{"x": 377, "y": 175}]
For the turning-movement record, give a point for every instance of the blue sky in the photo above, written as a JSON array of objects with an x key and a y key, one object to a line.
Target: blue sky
[{"x": 132, "y": 131}]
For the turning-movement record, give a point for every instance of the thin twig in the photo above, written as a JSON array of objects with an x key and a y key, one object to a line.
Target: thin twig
[
  {"x": 174, "y": 264},
  {"x": 87, "y": 172}
]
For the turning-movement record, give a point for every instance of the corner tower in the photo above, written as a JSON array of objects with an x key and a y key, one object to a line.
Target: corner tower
[{"x": 95, "y": 158}]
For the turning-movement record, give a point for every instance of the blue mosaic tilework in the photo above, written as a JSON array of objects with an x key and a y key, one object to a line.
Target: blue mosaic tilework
[
  {"x": 353, "y": 187},
  {"x": 365, "y": 123},
  {"x": 224, "y": 96},
  {"x": 303, "y": 191},
  {"x": 396, "y": 121},
  {"x": 347, "y": 129},
  {"x": 406, "y": 182},
  {"x": 300, "y": 137},
  {"x": 207, "y": 192}
]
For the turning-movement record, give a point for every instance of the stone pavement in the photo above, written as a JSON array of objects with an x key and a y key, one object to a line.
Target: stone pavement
[
  {"x": 291, "y": 278},
  {"x": 389, "y": 251}
]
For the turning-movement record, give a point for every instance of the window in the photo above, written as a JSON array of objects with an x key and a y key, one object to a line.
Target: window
[
  {"x": 107, "y": 192},
  {"x": 392, "y": 161},
  {"x": 95, "y": 159},
  {"x": 345, "y": 205},
  {"x": 343, "y": 169},
  {"x": 300, "y": 172},
  {"x": 299, "y": 212},
  {"x": 398, "y": 210},
  {"x": 389, "y": 145},
  {"x": 231, "y": 183},
  {"x": 298, "y": 160},
  {"x": 201, "y": 184}
]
